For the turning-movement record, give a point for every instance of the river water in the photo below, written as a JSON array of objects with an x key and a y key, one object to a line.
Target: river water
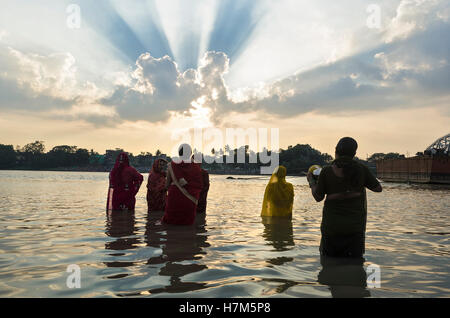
[{"x": 50, "y": 220}]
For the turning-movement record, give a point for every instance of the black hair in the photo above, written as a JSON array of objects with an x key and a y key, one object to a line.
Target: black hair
[
  {"x": 347, "y": 146},
  {"x": 346, "y": 149}
]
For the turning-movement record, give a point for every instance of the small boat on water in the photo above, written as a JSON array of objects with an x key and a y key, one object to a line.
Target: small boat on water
[{"x": 431, "y": 167}]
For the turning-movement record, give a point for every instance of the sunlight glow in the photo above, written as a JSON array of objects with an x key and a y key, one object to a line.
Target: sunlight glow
[{"x": 187, "y": 25}]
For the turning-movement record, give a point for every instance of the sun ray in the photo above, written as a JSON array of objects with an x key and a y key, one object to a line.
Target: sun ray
[
  {"x": 143, "y": 19},
  {"x": 234, "y": 24},
  {"x": 187, "y": 25}
]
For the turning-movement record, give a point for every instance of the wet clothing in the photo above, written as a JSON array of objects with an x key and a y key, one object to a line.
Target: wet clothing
[
  {"x": 181, "y": 205},
  {"x": 344, "y": 220},
  {"x": 124, "y": 184},
  {"x": 279, "y": 195},
  {"x": 156, "y": 188}
]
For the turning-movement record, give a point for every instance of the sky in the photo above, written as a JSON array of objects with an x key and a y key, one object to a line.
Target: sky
[{"x": 133, "y": 74}]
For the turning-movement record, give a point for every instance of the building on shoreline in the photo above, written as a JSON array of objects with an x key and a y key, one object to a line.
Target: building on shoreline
[{"x": 433, "y": 166}]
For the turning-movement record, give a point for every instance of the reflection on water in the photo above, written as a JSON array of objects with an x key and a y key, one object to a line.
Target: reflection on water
[
  {"x": 233, "y": 252},
  {"x": 121, "y": 226},
  {"x": 278, "y": 233},
  {"x": 179, "y": 244},
  {"x": 346, "y": 277}
]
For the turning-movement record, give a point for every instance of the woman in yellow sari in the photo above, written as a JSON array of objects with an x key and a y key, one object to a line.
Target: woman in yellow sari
[{"x": 279, "y": 195}]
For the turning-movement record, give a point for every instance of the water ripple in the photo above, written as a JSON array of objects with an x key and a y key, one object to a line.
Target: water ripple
[{"x": 52, "y": 219}]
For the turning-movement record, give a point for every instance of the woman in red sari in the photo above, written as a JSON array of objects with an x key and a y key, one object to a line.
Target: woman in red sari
[
  {"x": 156, "y": 187},
  {"x": 124, "y": 184},
  {"x": 184, "y": 183}
]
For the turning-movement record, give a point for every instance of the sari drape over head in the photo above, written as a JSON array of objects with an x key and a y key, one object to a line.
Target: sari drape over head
[
  {"x": 279, "y": 195},
  {"x": 124, "y": 184},
  {"x": 183, "y": 193},
  {"x": 156, "y": 188}
]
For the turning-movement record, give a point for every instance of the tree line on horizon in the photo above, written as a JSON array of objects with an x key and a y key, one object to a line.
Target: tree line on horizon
[{"x": 32, "y": 156}]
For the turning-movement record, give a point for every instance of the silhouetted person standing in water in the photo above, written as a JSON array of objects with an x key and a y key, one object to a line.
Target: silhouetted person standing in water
[
  {"x": 156, "y": 186},
  {"x": 124, "y": 184},
  {"x": 344, "y": 216},
  {"x": 184, "y": 183}
]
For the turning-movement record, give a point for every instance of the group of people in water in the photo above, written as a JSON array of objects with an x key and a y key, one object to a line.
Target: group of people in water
[{"x": 180, "y": 189}]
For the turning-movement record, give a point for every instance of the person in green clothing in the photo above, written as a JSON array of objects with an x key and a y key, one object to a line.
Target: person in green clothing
[{"x": 344, "y": 216}]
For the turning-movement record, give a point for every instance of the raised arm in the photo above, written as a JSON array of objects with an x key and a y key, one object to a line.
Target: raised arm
[
  {"x": 371, "y": 182},
  {"x": 378, "y": 188},
  {"x": 317, "y": 194}
]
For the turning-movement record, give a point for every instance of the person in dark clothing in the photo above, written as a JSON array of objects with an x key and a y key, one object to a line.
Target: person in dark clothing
[{"x": 344, "y": 216}]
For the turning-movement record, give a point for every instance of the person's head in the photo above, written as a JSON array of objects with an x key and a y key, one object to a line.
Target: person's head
[
  {"x": 122, "y": 159},
  {"x": 278, "y": 174},
  {"x": 281, "y": 172},
  {"x": 159, "y": 165},
  {"x": 122, "y": 162},
  {"x": 185, "y": 152},
  {"x": 162, "y": 164},
  {"x": 347, "y": 147}
]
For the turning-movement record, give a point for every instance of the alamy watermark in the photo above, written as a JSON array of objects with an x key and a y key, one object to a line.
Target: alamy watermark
[
  {"x": 74, "y": 279},
  {"x": 73, "y": 20},
  {"x": 373, "y": 276},
  {"x": 374, "y": 19},
  {"x": 373, "y": 280},
  {"x": 235, "y": 144},
  {"x": 74, "y": 16}
]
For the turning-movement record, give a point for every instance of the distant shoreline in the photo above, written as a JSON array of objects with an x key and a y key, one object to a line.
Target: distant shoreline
[{"x": 144, "y": 171}]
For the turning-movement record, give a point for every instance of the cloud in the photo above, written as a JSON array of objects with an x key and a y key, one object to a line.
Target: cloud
[
  {"x": 53, "y": 74},
  {"x": 415, "y": 15},
  {"x": 158, "y": 87},
  {"x": 295, "y": 35},
  {"x": 47, "y": 84},
  {"x": 409, "y": 72},
  {"x": 3, "y": 34},
  {"x": 35, "y": 82},
  {"x": 406, "y": 68},
  {"x": 23, "y": 97},
  {"x": 90, "y": 112}
]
